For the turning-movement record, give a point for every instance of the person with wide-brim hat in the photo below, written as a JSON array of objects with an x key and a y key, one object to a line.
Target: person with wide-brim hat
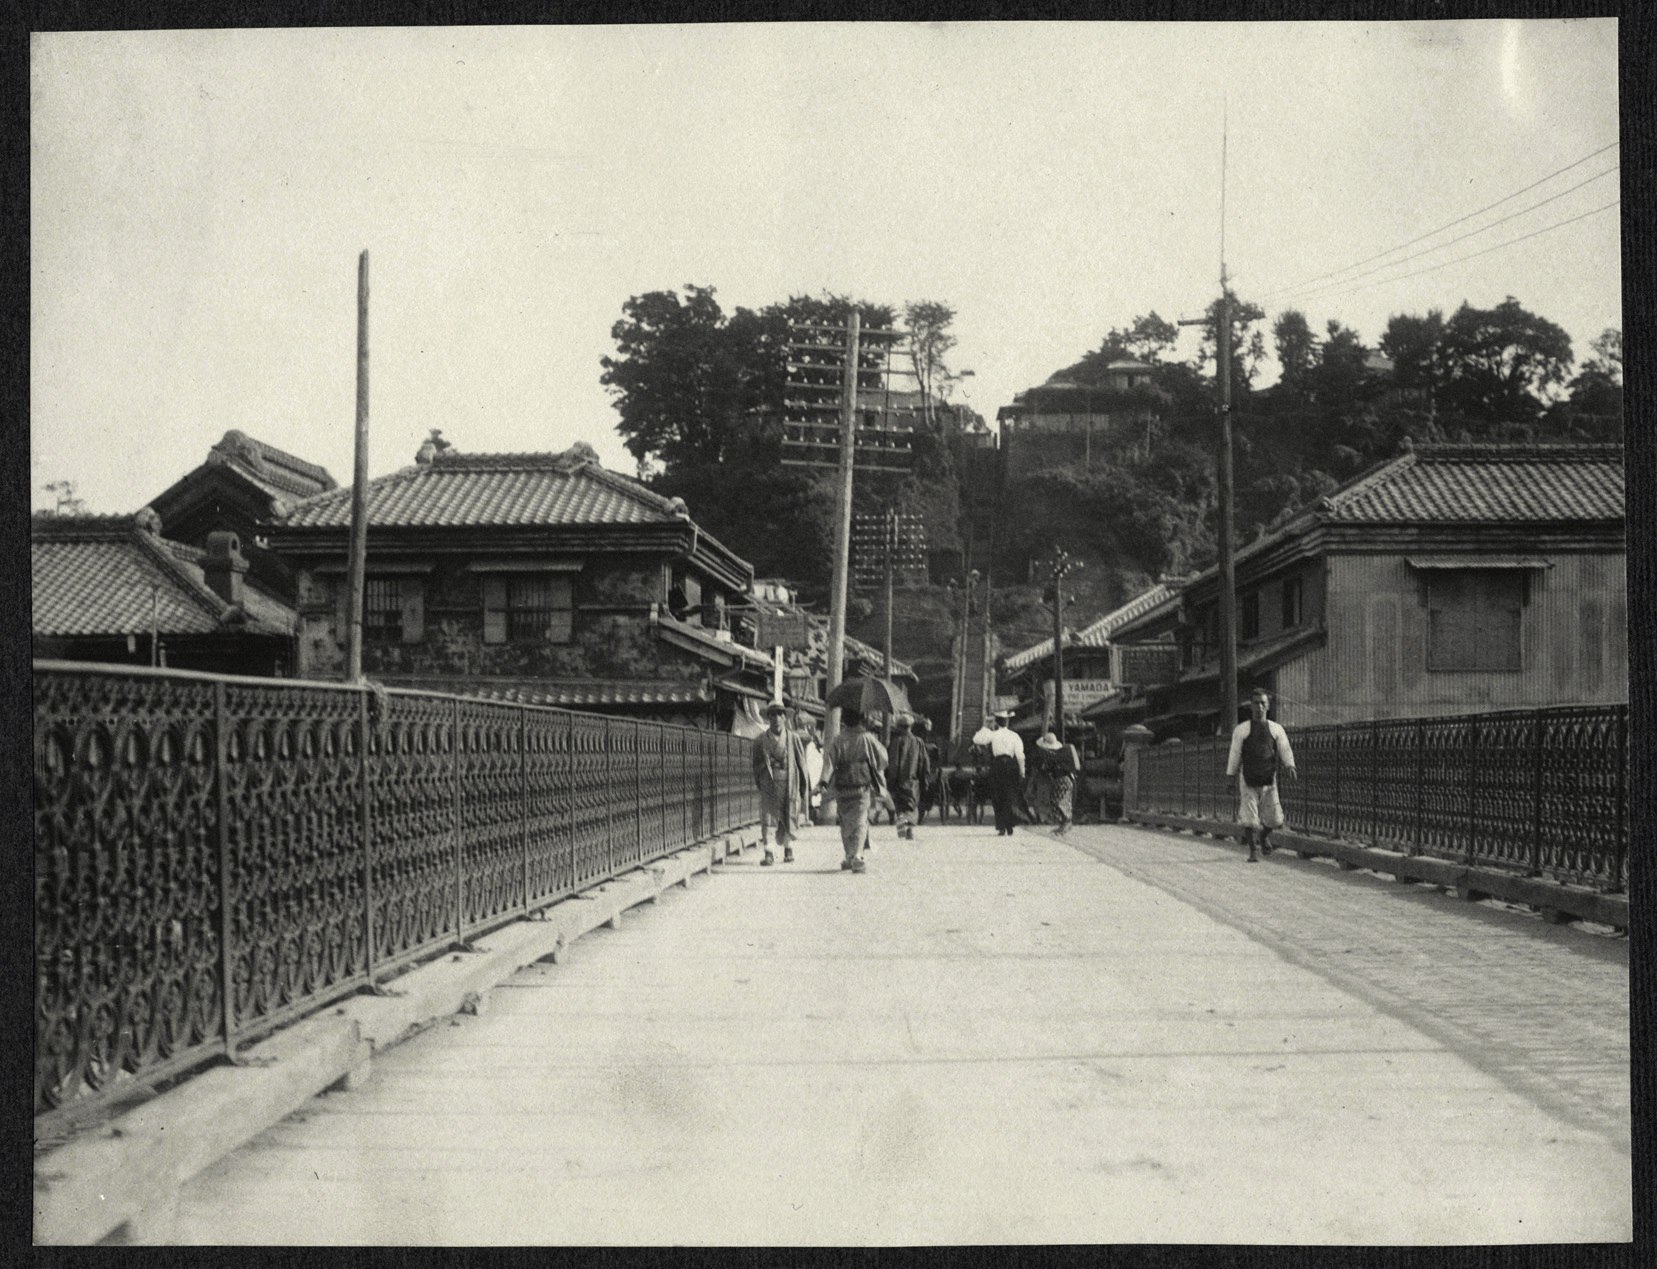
[
  {"x": 1061, "y": 764},
  {"x": 779, "y": 761}
]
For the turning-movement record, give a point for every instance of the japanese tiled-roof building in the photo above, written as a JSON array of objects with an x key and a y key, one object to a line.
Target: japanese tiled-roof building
[
  {"x": 240, "y": 485},
  {"x": 540, "y": 577},
  {"x": 111, "y": 589},
  {"x": 1450, "y": 579},
  {"x": 1096, "y": 667}
]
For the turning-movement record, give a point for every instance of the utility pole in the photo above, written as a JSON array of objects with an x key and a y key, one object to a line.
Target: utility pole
[
  {"x": 842, "y": 525},
  {"x": 359, "y": 485},
  {"x": 1228, "y": 539},
  {"x": 1063, "y": 565},
  {"x": 1227, "y": 536}
]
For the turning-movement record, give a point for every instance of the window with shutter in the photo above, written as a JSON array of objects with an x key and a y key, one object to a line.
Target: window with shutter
[{"x": 1474, "y": 620}]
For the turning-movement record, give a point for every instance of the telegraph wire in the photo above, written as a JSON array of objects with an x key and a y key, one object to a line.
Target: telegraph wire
[
  {"x": 1523, "y": 211},
  {"x": 1451, "y": 225},
  {"x": 1558, "y": 224}
]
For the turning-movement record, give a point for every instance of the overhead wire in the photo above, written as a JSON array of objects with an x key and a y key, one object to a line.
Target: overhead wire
[
  {"x": 1449, "y": 225},
  {"x": 1559, "y": 224},
  {"x": 1298, "y": 295}
]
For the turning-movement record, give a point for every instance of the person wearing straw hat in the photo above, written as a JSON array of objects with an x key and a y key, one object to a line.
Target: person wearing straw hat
[
  {"x": 780, "y": 774},
  {"x": 1061, "y": 763},
  {"x": 1006, "y": 771}
]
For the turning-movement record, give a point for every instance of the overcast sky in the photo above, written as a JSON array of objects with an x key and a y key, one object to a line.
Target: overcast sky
[{"x": 199, "y": 200}]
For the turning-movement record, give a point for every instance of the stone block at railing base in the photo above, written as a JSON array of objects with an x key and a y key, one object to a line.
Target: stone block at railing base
[{"x": 1470, "y": 882}]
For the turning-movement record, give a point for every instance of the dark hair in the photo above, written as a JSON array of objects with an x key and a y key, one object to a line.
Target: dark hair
[{"x": 850, "y": 717}]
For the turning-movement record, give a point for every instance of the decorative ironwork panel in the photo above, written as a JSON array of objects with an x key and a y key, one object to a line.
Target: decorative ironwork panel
[
  {"x": 626, "y": 797},
  {"x": 1446, "y": 745},
  {"x": 1502, "y": 803},
  {"x": 489, "y": 760},
  {"x": 297, "y": 867},
  {"x": 549, "y": 804},
  {"x": 1311, "y": 800},
  {"x": 412, "y": 790},
  {"x": 1395, "y": 783},
  {"x": 590, "y": 794},
  {"x": 657, "y": 790},
  {"x": 128, "y": 923},
  {"x": 1583, "y": 830}
]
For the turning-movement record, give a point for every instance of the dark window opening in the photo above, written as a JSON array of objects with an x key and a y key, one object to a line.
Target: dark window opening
[
  {"x": 1473, "y": 620},
  {"x": 1291, "y": 603},
  {"x": 1248, "y": 616}
]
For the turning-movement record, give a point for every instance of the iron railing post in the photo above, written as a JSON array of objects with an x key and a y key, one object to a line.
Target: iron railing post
[
  {"x": 1619, "y": 849},
  {"x": 1335, "y": 809},
  {"x": 609, "y": 799},
  {"x": 1375, "y": 784},
  {"x": 1420, "y": 782},
  {"x": 366, "y": 814},
  {"x": 1536, "y": 794},
  {"x": 568, "y": 785},
  {"x": 1471, "y": 748},
  {"x": 454, "y": 824},
  {"x": 523, "y": 794},
  {"x": 221, "y": 771},
  {"x": 638, "y": 790}
]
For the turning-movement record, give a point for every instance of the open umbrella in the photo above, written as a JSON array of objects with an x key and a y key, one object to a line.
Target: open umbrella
[{"x": 867, "y": 695}]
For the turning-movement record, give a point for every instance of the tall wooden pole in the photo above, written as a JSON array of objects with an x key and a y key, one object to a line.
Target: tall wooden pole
[
  {"x": 1228, "y": 545},
  {"x": 843, "y": 526},
  {"x": 359, "y": 484},
  {"x": 1058, "y": 654}
]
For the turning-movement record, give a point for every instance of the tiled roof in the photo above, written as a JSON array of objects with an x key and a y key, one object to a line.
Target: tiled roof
[
  {"x": 1508, "y": 483},
  {"x": 107, "y": 575},
  {"x": 453, "y": 490},
  {"x": 1096, "y": 635},
  {"x": 577, "y": 693},
  {"x": 272, "y": 469}
]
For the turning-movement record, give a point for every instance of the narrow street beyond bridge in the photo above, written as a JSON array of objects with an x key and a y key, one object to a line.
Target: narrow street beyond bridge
[{"x": 1119, "y": 1036}]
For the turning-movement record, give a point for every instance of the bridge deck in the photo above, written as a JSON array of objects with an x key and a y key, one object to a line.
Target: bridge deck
[{"x": 1125, "y": 1036}]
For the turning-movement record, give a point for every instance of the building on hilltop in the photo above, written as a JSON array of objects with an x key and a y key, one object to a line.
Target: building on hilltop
[
  {"x": 1450, "y": 579},
  {"x": 111, "y": 589},
  {"x": 1065, "y": 421},
  {"x": 239, "y": 487},
  {"x": 541, "y": 578}
]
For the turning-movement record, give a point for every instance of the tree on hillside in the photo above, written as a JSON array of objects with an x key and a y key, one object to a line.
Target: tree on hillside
[
  {"x": 68, "y": 500},
  {"x": 1502, "y": 362},
  {"x": 930, "y": 341},
  {"x": 1148, "y": 338},
  {"x": 1297, "y": 350},
  {"x": 1339, "y": 374}
]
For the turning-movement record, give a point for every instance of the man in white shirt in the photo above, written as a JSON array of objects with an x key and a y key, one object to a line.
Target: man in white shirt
[
  {"x": 1006, "y": 772},
  {"x": 1259, "y": 750}
]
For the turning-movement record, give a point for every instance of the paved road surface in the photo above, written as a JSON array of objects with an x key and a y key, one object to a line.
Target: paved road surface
[{"x": 1127, "y": 1036}]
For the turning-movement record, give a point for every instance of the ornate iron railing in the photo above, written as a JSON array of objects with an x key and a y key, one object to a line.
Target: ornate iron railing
[
  {"x": 217, "y": 856},
  {"x": 1543, "y": 792}
]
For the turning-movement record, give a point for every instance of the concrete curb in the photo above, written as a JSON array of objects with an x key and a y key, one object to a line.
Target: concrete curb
[
  {"x": 1557, "y": 901},
  {"x": 124, "y": 1178}
]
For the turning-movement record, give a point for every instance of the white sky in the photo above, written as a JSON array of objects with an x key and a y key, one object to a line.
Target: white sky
[{"x": 199, "y": 200}]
